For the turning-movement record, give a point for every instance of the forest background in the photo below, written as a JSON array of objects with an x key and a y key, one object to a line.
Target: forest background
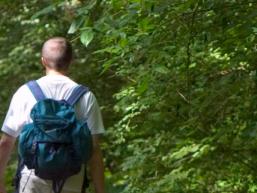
[{"x": 176, "y": 81}]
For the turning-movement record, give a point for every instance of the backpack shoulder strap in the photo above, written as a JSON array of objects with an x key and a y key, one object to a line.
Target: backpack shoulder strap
[
  {"x": 78, "y": 92},
  {"x": 36, "y": 90}
]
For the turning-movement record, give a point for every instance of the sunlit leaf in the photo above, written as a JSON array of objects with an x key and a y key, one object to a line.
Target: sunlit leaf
[
  {"x": 44, "y": 11},
  {"x": 75, "y": 25},
  {"x": 86, "y": 37}
]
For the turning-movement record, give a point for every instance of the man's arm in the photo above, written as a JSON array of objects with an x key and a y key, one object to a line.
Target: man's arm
[
  {"x": 96, "y": 166},
  {"x": 6, "y": 145}
]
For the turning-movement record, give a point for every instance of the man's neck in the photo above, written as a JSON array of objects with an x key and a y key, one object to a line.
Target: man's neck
[{"x": 54, "y": 72}]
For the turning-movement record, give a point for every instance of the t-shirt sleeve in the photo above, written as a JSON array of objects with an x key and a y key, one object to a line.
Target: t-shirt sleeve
[
  {"x": 90, "y": 111},
  {"x": 14, "y": 119}
]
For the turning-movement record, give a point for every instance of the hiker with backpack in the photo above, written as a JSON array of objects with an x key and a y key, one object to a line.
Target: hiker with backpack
[{"x": 58, "y": 123}]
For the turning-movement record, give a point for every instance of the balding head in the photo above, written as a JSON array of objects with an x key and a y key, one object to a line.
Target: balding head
[{"x": 57, "y": 54}]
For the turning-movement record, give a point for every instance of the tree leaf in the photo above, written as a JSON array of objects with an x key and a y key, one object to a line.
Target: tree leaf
[
  {"x": 44, "y": 11},
  {"x": 86, "y": 37},
  {"x": 75, "y": 25},
  {"x": 161, "y": 69}
]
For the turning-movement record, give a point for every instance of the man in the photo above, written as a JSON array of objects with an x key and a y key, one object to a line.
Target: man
[{"x": 56, "y": 58}]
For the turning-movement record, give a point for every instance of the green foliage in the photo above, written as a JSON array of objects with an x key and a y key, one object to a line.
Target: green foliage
[
  {"x": 87, "y": 36},
  {"x": 176, "y": 81}
]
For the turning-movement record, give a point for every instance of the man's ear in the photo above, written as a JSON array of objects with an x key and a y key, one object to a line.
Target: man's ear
[{"x": 43, "y": 61}]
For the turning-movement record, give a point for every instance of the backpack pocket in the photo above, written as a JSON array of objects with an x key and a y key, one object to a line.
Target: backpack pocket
[
  {"x": 55, "y": 160},
  {"x": 26, "y": 148}
]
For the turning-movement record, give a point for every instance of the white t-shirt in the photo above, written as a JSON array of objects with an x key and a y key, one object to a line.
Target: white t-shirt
[{"x": 57, "y": 87}]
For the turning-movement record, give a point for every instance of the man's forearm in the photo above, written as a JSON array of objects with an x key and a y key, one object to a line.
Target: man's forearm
[
  {"x": 6, "y": 145},
  {"x": 97, "y": 169}
]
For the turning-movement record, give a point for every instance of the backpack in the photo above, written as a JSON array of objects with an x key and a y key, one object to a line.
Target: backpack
[{"x": 55, "y": 144}]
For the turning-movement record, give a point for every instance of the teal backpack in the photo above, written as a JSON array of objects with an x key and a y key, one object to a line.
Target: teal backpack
[{"x": 55, "y": 144}]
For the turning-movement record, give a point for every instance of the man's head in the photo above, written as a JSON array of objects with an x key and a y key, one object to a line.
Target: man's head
[{"x": 56, "y": 54}]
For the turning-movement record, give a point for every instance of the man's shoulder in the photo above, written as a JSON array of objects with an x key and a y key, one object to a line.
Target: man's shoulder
[
  {"x": 88, "y": 99},
  {"x": 22, "y": 90},
  {"x": 22, "y": 95}
]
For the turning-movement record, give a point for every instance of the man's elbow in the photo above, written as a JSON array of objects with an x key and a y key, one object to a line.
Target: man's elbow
[{"x": 7, "y": 142}]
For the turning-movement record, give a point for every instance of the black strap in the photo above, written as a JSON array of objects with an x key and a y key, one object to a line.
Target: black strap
[
  {"x": 36, "y": 90},
  {"x": 85, "y": 184},
  {"x": 58, "y": 185},
  {"x": 78, "y": 92},
  {"x": 17, "y": 177}
]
